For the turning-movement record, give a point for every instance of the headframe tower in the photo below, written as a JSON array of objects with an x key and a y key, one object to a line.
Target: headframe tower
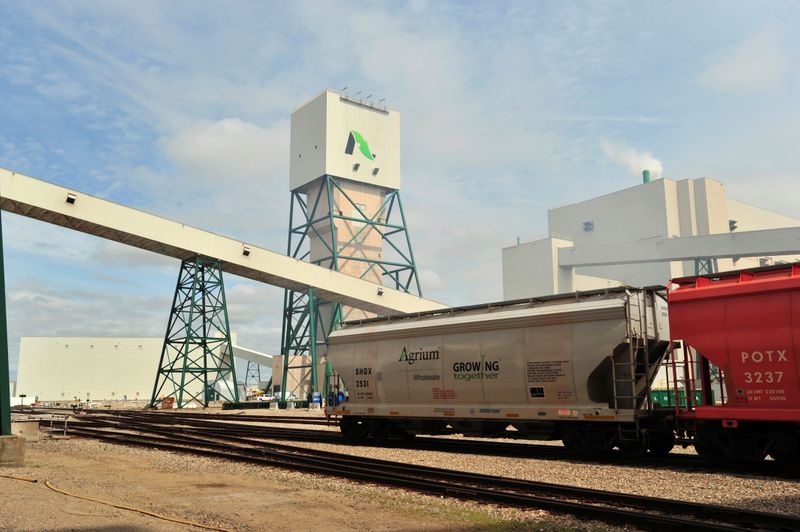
[{"x": 345, "y": 214}]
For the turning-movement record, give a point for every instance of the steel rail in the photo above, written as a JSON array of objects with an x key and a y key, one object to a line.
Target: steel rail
[
  {"x": 228, "y": 426},
  {"x": 469, "y": 480},
  {"x": 296, "y": 420}
]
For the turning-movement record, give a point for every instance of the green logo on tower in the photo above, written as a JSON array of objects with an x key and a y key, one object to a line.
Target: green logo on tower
[{"x": 363, "y": 147}]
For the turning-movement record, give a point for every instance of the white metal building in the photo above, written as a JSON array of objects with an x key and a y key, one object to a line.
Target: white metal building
[
  {"x": 654, "y": 211},
  {"x": 98, "y": 369}
]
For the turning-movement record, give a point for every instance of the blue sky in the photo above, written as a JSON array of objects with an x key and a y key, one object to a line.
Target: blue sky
[{"x": 508, "y": 109}]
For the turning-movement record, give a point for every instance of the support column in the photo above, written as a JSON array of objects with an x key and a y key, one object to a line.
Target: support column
[
  {"x": 12, "y": 448},
  {"x": 5, "y": 391},
  {"x": 253, "y": 373},
  {"x": 353, "y": 228},
  {"x": 197, "y": 358}
]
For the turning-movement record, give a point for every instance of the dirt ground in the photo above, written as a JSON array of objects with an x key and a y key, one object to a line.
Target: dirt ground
[{"x": 222, "y": 494}]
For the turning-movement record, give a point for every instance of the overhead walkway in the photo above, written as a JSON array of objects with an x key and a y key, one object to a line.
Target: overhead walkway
[
  {"x": 40, "y": 200},
  {"x": 764, "y": 242}
]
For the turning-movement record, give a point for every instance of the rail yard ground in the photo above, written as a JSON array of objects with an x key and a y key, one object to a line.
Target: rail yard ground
[
  {"x": 237, "y": 496},
  {"x": 223, "y": 494}
]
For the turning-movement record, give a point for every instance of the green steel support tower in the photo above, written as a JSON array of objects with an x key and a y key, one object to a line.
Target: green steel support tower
[
  {"x": 345, "y": 214},
  {"x": 703, "y": 266},
  {"x": 197, "y": 358},
  {"x": 253, "y": 374},
  {"x": 329, "y": 227},
  {"x": 5, "y": 391}
]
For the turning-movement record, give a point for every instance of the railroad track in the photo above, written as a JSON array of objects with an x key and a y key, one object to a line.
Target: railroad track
[
  {"x": 645, "y": 512},
  {"x": 245, "y": 428},
  {"x": 243, "y": 418}
]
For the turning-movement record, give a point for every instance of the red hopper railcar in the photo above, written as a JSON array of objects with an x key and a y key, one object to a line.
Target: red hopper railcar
[{"x": 741, "y": 333}]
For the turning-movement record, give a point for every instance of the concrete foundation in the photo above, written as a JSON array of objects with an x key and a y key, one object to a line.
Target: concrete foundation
[
  {"x": 313, "y": 406},
  {"x": 26, "y": 429},
  {"x": 12, "y": 451},
  {"x": 273, "y": 405}
]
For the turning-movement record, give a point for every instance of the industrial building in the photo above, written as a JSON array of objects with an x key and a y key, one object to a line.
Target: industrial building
[
  {"x": 94, "y": 369},
  {"x": 298, "y": 378},
  {"x": 643, "y": 217},
  {"x": 55, "y": 369}
]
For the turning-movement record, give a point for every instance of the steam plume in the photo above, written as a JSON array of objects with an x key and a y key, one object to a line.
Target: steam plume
[{"x": 633, "y": 160}]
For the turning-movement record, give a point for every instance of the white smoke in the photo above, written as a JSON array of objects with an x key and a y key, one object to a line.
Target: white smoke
[{"x": 633, "y": 160}]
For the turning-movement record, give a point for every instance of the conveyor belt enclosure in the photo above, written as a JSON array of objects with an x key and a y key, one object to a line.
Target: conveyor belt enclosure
[{"x": 58, "y": 205}]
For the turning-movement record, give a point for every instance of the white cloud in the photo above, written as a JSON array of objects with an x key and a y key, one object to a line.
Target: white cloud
[
  {"x": 252, "y": 314},
  {"x": 430, "y": 280},
  {"x": 633, "y": 160},
  {"x": 231, "y": 150},
  {"x": 45, "y": 241},
  {"x": 36, "y": 309},
  {"x": 760, "y": 63}
]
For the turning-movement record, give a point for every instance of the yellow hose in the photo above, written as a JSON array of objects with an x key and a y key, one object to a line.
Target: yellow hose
[
  {"x": 12, "y": 477},
  {"x": 132, "y": 509},
  {"x": 120, "y": 506}
]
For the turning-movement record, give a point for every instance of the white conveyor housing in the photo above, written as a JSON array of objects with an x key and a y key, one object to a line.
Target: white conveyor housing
[{"x": 34, "y": 198}]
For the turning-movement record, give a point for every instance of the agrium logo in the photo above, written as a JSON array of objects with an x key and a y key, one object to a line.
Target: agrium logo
[
  {"x": 356, "y": 138},
  {"x": 412, "y": 356},
  {"x": 476, "y": 369}
]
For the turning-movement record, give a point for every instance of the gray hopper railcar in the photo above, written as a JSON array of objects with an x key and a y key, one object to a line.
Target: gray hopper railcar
[{"x": 576, "y": 368}]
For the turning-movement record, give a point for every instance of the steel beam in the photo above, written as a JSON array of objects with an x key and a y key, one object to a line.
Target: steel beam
[
  {"x": 5, "y": 391},
  {"x": 768, "y": 242},
  {"x": 27, "y": 196}
]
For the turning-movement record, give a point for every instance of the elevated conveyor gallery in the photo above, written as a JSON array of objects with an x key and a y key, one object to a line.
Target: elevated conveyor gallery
[{"x": 27, "y": 196}]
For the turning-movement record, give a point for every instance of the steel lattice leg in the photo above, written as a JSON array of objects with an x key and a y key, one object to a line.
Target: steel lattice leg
[{"x": 196, "y": 364}]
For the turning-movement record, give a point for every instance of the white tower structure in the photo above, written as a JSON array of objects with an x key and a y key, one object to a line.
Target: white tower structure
[{"x": 345, "y": 215}]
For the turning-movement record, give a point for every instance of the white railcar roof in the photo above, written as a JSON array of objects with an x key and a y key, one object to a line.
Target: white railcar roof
[{"x": 587, "y": 306}]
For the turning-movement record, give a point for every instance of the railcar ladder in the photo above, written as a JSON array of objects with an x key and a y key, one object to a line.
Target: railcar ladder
[
  {"x": 625, "y": 379},
  {"x": 625, "y": 373}
]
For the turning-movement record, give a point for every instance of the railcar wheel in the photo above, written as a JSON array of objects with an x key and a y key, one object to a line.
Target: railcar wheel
[
  {"x": 380, "y": 429},
  {"x": 601, "y": 440},
  {"x": 786, "y": 447},
  {"x": 574, "y": 439},
  {"x": 748, "y": 446},
  {"x": 353, "y": 429},
  {"x": 401, "y": 432},
  {"x": 407, "y": 436},
  {"x": 633, "y": 448},
  {"x": 712, "y": 444},
  {"x": 660, "y": 443}
]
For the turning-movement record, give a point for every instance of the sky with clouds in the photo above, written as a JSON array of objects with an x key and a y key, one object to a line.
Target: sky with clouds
[{"x": 508, "y": 108}]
